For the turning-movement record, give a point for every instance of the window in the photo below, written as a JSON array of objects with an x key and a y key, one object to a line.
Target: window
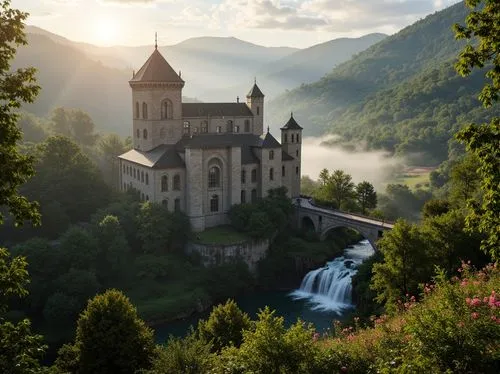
[
  {"x": 214, "y": 203},
  {"x": 297, "y": 153},
  {"x": 258, "y": 110},
  {"x": 147, "y": 179},
  {"x": 142, "y": 196},
  {"x": 204, "y": 126},
  {"x": 254, "y": 175},
  {"x": 236, "y": 129},
  {"x": 254, "y": 195},
  {"x": 271, "y": 174},
  {"x": 177, "y": 183},
  {"x": 147, "y": 197},
  {"x": 142, "y": 176},
  {"x": 124, "y": 186},
  {"x": 166, "y": 109},
  {"x": 229, "y": 126},
  {"x": 187, "y": 129},
  {"x": 243, "y": 176},
  {"x": 138, "y": 133},
  {"x": 271, "y": 155},
  {"x": 293, "y": 138},
  {"x": 218, "y": 129},
  {"x": 283, "y": 171},
  {"x": 177, "y": 205},
  {"x": 214, "y": 177},
  {"x": 298, "y": 139},
  {"x": 164, "y": 183},
  {"x": 164, "y": 202},
  {"x": 145, "y": 134},
  {"x": 144, "y": 111},
  {"x": 243, "y": 197},
  {"x": 136, "y": 109},
  {"x": 134, "y": 174},
  {"x": 297, "y": 170},
  {"x": 247, "y": 125},
  {"x": 123, "y": 168},
  {"x": 195, "y": 130},
  {"x": 286, "y": 138}
]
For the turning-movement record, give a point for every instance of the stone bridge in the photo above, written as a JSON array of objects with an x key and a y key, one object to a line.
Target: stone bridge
[{"x": 322, "y": 220}]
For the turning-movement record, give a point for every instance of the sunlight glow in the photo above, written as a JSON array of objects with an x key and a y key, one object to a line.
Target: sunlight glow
[{"x": 106, "y": 31}]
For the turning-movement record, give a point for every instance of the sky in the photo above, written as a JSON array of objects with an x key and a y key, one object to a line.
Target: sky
[{"x": 292, "y": 23}]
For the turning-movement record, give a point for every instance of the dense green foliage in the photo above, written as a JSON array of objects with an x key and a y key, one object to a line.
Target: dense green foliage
[{"x": 15, "y": 88}]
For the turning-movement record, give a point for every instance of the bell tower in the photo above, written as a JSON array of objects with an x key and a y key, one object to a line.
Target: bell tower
[
  {"x": 255, "y": 101},
  {"x": 291, "y": 142},
  {"x": 157, "y": 103}
]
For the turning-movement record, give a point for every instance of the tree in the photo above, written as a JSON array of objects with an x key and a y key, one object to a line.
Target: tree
[
  {"x": 79, "y": 248},
  {"x": 61, "y": 122},
  {"x": 340, "y": 187},
  {"x": 15, "y": 88},
  {"x": 435, "y": 207},
  {"x": 110, "y": 337},
  {"x": 483, "y": 23},
  {"x": 224, "y": 327},
  {"x": 406, "y": 264},
  {"x": 110, "y": 147},
  {"x": 82, "y": 127},
  {"x": 366, "y": 196},
  {"x": 464, "y": 180}
]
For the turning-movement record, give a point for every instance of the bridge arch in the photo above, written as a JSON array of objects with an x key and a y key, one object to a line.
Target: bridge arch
[
  {"x": 307, "y": 224},
  {"x": 366, "y": 235}
]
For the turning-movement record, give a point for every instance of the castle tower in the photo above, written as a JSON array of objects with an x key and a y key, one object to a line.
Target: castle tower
[
  {"x": 157, "y": 104},
  {"x": 291, "y": 142},
  {"x": 255, "y": 101}
]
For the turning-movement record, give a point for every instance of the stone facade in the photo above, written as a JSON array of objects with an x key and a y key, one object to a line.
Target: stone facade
[{"x": 202, "y": 158}]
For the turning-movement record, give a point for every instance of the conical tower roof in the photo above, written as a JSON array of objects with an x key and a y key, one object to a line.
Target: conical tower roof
[
  {"x": 255, "y": 91},
  {"x": 291, "y": 124},
  {"x": 156, "y": 69}
]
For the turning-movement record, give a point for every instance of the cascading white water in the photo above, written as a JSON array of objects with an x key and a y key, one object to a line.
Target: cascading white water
[{"x": 329, "y": 288}]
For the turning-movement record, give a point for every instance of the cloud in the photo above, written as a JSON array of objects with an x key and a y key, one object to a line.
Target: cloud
[
  {"x": 322, "y": 15},
  {"x": 375, "y": 167}
]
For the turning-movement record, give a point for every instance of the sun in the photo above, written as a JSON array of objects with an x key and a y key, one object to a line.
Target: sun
[{"x": 106, "y": 31}]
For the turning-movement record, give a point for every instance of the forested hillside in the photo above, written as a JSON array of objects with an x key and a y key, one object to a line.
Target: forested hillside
[{"x": 401, "y": 94}]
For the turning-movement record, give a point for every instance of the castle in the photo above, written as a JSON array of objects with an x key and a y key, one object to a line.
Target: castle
[{"x": 201, "y": 158}]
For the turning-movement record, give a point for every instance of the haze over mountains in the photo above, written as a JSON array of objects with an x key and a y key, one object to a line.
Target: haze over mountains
[
  {"x": 95, "y": 79},
  {"x": 401, "y": 94}
]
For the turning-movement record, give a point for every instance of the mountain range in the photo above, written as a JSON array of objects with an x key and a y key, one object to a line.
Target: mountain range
[
  {"x": 401, "y": 94},
  {"x": 95, "y": 79}
]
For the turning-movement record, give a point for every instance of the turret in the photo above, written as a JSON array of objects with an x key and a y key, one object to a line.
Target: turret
[
  {"x": 291, "y": 142},
  {"x": 255, "y": 101},
  {"x": 157, "y": 103}
]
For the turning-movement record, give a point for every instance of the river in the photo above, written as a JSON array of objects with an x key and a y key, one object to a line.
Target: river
[{"x": 323, "y": 296}]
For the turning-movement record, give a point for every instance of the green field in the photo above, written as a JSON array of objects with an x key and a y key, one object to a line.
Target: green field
[
  {"x": 221, "y": 235},
  {"x": 414, "y": 178}
]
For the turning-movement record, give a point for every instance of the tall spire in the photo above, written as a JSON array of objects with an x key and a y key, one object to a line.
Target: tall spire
[{"x": 156, "y": 40}]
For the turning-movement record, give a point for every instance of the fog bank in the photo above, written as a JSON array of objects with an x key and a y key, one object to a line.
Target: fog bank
[{"x": 375, "y": 167}]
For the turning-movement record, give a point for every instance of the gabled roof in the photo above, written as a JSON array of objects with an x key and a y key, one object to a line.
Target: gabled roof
[
  {"x": 156, "y": 69},
  {"x": 190, "y": 110},
  {"x": 291, "y": 124},
  {"x": 286, "y": 157},
  {"x": 269, "y": 141},
  {"x": 255, "y": 91},
  {"x": 161, "y": 157}
]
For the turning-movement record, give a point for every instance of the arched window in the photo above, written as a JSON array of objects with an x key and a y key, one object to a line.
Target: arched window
[
  {"x": 204, "y": 126},
  {"x": 254, "y": 175},
  {"x": 214, "y": 177},
  {"x": 283, "y": 171},
  {"x": 247, "y": 125},
  {"x": 137, "y": 115},
  {"x": 144, "y": 111},
  {"x": 164, "y": 183},
  {"x": 271, "y": 174},
  {"x": 243, "y": 197},
  {"x": 271, "y": 155},
  {"x": 147, "y": 179},
  {"x": 164, "y": 202},
  {"x": 166, "y": 110},
  {"x": 177, "y": 183},
  {"x": 177, "y": 205},
  {"x": 243, "y": 176},
  {"x": 214, "y": 203},
  {"x": 142, "y": 176},
  {"x": 145, "y": 134},
  {"x": 218, "y": 129},
  {"x": 254, "y": 195},
  {"x": 138, "y": 133}
]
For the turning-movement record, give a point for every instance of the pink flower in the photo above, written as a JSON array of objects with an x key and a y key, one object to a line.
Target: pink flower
[
  {"x": 474, "y": 315},
  {"x": 475, "y": 301},
  {"x": 467, "y": 300},
  {"x": 460, "y": 324},
  {"x": 316, "y": 336}
]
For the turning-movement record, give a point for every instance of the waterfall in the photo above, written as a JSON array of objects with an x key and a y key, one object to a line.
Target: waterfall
[{"x": 329, "y": 288}]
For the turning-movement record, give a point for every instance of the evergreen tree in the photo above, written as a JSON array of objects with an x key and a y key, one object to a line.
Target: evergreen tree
[{"x": 366, "y": 196}]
